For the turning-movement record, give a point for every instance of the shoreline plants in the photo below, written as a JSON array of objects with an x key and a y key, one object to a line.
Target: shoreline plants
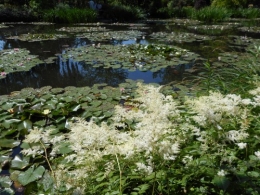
[{"x": 206, "y": 144}]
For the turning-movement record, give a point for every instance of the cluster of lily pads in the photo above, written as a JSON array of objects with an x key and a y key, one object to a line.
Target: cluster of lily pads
[
  {"x": 37, "y": 37},
  {"x": 3, "y": 26},
  {"x": 253, "y": 29},
  {"x": 112, "y": 35},
  {"x": 82, "y": 29},
  {"x": 179, "y": 37},
  {"x": 14, "y": 60},
  {"x": 242, "y": 42},
  {"x": 211, "y": 29},
  {"x": 151, "y": 57}
]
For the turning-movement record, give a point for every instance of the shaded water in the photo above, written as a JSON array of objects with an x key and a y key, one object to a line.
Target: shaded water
[{"x": 71, "y": 73}]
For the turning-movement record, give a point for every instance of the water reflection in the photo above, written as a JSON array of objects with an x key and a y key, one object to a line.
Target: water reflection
[
  {"x": 61, "y": 74},
  {"x": 2, "y": 44}
]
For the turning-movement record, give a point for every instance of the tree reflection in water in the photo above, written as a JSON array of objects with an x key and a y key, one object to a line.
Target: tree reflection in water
[{"x": 61, "y": 74}]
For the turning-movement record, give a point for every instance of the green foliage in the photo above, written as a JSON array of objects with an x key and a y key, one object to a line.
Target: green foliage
[
  {"x": 211, "y": 14},
  {"x": 64, "y": 14},
  {"x": 121, "y": 12},
  {"x": 229, "y": 3},
  {"x": 250, "y": 13}
]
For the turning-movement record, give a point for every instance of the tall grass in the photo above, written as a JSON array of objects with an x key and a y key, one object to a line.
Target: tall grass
[
  {"x": 69, "y": 15},
  {"x": 250, "y": 13},
  {"x": 212, "y": 14}
]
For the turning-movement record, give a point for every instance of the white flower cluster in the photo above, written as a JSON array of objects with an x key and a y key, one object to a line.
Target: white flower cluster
[
  {"x": 153, "y": 125},
  {"x": 217, "y": 110}
]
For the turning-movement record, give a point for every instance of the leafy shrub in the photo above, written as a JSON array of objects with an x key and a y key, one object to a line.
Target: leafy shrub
[
  {"x": 64, "y": 14},
  {"x": 120, "y": 12}
]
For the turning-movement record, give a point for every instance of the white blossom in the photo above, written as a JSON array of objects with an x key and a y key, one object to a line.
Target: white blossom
[
  {"x": 242, "y": 145},
  {"x": 222, "y": 173},
  {"x": 257, "y": 154}
]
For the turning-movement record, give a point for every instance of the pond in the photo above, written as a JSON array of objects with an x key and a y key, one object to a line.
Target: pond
[
  {"x": 205, "y": 41},
  {"x": 57, "y": 59}
]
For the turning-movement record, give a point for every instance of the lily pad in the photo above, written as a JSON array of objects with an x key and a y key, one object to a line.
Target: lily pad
[
  {"x": 16, "y": 60},
  {"x": 31, "y": 175},
  {"x": 38, "y": 37},
  {"x": 142, "y": 57},
  {"x": 179, "y": 37}
]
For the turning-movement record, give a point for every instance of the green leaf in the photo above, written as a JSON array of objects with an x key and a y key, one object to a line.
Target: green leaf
[
  {"x": 8, "y": 123},
  {"x": 64, "y": 148},
  {"x": 47, "y": 181},
  {"x": 19, "y": 163},
  {"x": 31, "y": 175},
  {"x": 26, "y": 124},
  {"x": 253, "y": 174},
  {"x": 221, "y": 182},
  {"x": 76, "y": 108},
  {"x": 5, "y": 182},
  {"x": 8, "y": 143},
  {"x": 96, "y": 103},
  {"x": 7, "y": 191}
]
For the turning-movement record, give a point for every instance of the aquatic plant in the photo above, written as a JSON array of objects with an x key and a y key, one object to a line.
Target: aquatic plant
[{"x": 17, "y": 59}]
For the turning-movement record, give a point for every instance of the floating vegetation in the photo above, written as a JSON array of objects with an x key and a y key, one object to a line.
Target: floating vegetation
[
  {"x": 178, "y": 21},
  {"x": 113, "y": 35},
  {"x": 211, "y": 29},
  {"x": 3, "y": 26},
  {"x": 136, "y": 56},
  {"x": 179, "y": 37},
  {"x": 41, "y": 23},
  {"x": 227, "y": 58},
  {"x": 82, "y": 29},
  {"x": 241, "y": 42},
  {"x": 38, "y": 37},
  {"x": 16, "y": 60},
  {"x": 252, "y": 29}
]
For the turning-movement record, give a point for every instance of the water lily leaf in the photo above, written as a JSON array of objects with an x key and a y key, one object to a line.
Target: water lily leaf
[
  {"x": 8, "y": 132},
  {"x": 96, "y": 103},
  {"x": 3, "y": 158},
  {"x": 40, "y": 123},
  {"x": 97, "y": 113},
  {"x": 47, "y": 181},
  {"x": 76, "y": 108},
  {"x": 7, "y": 191},
  {"x": 19, "y": 163},
  {"x": 26, "y": 124},
  {"x": 31, "y": 175},
  {"x": 9, "y": 143},
  {"x": 64, "y": 148},
  {"x": 7, "y": 105},
  {"x": 5, "y": 182}
]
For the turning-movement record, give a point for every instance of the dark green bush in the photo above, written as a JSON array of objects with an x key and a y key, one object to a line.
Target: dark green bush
[
  {"x": 120, "y": 12},
  {"x": 69, "y": 15}
]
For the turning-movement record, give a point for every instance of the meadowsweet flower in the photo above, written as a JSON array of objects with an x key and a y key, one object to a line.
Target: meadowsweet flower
[
  {"x": 186, "y": 159},
  {"x": 142, "y": 167},
  {"x": 257, "y": 154},
  {"x": 34, "y": 136},
  {"x": 222, "y": 173},
  {"x": 242, "y": 145},
  {"x": 235, "y": 135}
]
